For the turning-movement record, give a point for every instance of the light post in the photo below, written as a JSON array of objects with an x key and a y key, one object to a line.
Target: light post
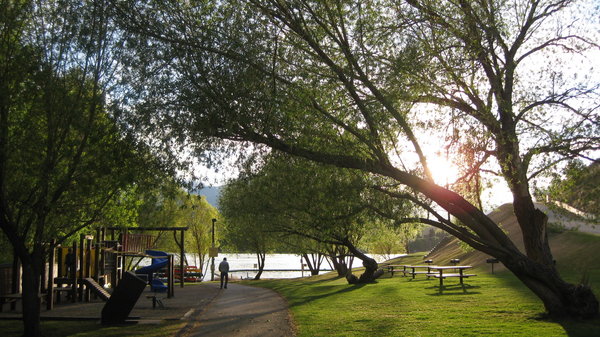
[{"x": 212, "y": 266}]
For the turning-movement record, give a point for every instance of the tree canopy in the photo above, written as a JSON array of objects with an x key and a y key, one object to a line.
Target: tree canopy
[
  {"x": 358, "y": 85},
  {"x": 290, "y": 199},
  {"x": 575, "y": 186}
]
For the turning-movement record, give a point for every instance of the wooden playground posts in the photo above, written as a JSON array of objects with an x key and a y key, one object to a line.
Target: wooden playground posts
[
  {"x": 181, "y": 268},
  {"x": 117, "y": 269},
  {"x": 87, "y": 274},
  {"x": 171, "y": 277},
  {"x": 50, "y": 281},
  {"x": 80, "y": 265},
  {"x": 88, "y": 264},
  {"x": 85, "y": 266},
  {"x": 42, "y": 277},
  {"x": 98, "y": 256},
  {"x": 52, "y": 256},
  {"x": 73, "y": 274},
  {"x": 16, "y": 278}
]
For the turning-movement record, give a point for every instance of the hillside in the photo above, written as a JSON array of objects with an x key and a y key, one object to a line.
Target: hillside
[
  {"x": 567, "y": 245},
  {"x": 212, "y": 195}
]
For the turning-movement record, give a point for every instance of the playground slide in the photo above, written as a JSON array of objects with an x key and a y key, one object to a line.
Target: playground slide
[
  {"x": 152, "y": 268},
  {"x": 157, "y": 263}
]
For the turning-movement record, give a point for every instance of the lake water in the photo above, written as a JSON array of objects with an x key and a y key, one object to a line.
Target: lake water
[{"x": 272, "y": 261}]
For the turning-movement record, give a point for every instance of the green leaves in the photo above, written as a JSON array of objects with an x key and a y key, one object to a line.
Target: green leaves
[
  {"x": 576, "y": 186},
  {"x": 292, "y": 199}
]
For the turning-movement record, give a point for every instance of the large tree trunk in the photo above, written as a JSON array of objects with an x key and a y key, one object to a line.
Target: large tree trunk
[
  {"x": 337, "y": 256},
  {"x": 560, "y": 298},
  {"x": 537, "y": 270},
  {"x": 371, "y": 273},
  {"x": 339, "y": 264},
  {"x": 533, "y": 224},
  {"x": 30, "y": 299}
]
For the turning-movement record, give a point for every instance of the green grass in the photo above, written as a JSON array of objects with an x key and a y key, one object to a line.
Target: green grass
[
  {"x": 488, "y": 305},
  {"x": 577, "y": 256}
]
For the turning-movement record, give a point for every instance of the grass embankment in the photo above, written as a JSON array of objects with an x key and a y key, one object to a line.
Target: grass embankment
[{"x": 489, "y": 304}]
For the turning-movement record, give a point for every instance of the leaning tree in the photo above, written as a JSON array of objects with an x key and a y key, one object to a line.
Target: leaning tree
[{"x": 365, "y": 85}]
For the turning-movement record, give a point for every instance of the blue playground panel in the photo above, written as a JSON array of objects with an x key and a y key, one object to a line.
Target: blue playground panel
[{"x": 159, "y": 261}]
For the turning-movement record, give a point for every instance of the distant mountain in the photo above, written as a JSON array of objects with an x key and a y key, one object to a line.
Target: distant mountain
[{"x": 212, "y": 195}]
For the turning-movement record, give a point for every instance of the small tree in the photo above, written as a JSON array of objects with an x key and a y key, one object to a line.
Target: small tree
[
  {"x": 386, "y": 240},
  {"x": 247, "y": 229},
  {"x": 198, "y": 216}
]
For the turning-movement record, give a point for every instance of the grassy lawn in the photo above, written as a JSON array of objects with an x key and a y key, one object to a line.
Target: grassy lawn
[{"x": 488, "y": 305}]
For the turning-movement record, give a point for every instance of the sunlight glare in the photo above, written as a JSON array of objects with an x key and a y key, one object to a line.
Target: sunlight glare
[{"x": 443, "y": 170}]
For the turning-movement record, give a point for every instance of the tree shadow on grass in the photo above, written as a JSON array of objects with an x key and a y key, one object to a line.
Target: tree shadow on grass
[
  {"x": 321, "y": 280},
  {"x": 454, "y": 289},
  {"x": 573, "y": 327},
  {"x": 329, "y": 291}
]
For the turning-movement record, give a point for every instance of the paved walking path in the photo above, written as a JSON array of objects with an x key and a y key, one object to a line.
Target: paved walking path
[{"x": 242, "y": 311}]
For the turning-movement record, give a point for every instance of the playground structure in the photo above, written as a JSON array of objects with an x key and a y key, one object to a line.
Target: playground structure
[{"x": 97, "y": 267}]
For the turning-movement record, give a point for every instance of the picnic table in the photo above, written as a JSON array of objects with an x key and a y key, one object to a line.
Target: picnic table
[
  {"x": 412, "y": 270},
  {"x": 392, "y": 268},
  {"x": 443, "y": 272}
]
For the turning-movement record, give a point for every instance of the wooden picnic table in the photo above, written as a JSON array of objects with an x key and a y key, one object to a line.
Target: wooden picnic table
[
  {"x": 441, "y": 272},
  {"x": 392, "y": 268},
  {"x": 413, "y": 270},
  {"x": 408, "y": 269}
]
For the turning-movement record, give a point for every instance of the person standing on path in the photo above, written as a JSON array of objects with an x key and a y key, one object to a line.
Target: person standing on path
[{"x": 224, "y": 270}]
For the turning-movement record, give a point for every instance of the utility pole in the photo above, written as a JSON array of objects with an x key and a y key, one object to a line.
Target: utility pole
[{"x": 212, "y": 266}]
